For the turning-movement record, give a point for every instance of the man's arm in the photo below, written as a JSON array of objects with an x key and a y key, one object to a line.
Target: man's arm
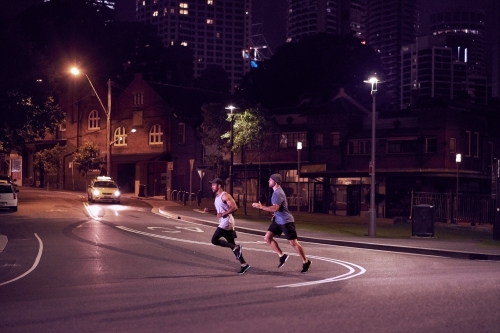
[
  {"x": 229, "y": 200},
  {"x": 271, "y": 209}
]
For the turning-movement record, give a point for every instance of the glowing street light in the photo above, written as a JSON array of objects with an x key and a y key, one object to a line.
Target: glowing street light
[
  {"x": 107, "y": 112},
  {"x": 372, "y": 225}
]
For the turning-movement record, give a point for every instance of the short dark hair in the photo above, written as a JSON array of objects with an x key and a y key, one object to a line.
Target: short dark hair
[{"x": 217, "y": 181}]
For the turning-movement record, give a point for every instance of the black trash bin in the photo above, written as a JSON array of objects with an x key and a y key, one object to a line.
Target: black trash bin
[
  {"x": 142, "y": 190},
  {"x": 422, "y": 221}
]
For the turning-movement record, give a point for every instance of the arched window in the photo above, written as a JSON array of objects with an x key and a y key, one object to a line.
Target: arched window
[
  {"x": 94, "y": 120},
  {"x": 120, "y": 137},
  {"x": 155, "y": 135}
]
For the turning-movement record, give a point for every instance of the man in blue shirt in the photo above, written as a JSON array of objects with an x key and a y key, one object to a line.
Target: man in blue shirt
[{"x": 283, "y": 222}]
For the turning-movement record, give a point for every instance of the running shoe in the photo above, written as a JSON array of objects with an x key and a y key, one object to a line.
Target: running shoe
[
  {"x": 237, "y": 251},
  {"x": 283, "y": 259},
  {"x": 305, "y": 267},
  {"x": 244, "y": 269}
]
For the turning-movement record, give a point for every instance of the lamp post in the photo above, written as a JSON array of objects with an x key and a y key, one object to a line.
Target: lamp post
[
  {"x": 231, "y": 175},
  {"x": 299, "y": 148},
  {"x": 458, "y": 159},
  {"x": 372, "y": 225},
  {"x": 107, "y": 112}
]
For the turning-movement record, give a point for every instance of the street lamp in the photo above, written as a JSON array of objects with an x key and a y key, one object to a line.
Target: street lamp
[
  {"x": 372, "y": 226},
  {"x": 231, "y": 175},
  {"x": 120, "y": 138},
  {"x": 458, "y": 159},
  {"x": 299, "y": 148},
  {"x": 107, "y": 112}
]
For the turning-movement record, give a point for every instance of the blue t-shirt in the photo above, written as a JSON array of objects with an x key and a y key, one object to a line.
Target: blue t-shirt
[{"x": 282, "y": 215}]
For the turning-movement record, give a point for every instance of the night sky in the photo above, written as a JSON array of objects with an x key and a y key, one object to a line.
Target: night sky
[{"x": 272, "y": 13}]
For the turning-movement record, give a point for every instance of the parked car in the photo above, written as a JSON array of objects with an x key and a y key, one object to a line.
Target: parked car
[
  {"x": 8, "y": 195},
  {"x": 8, "y": 179},
  {"x": 103, "y": 189}
]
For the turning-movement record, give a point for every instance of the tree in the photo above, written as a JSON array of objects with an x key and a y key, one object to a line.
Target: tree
[
  {"x": 87, "y": 157},
  {"x": 316, "y": 65},
  {"x": 253, "y": 125},
  {"x": 49, "y": 161}
]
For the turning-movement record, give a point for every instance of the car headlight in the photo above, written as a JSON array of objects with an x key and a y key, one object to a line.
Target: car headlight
[
  {"x": 117, "y": 193},
  {"x": 96, "y": 192}
]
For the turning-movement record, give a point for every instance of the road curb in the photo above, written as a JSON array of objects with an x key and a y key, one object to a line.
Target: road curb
[{"x": 361, "y": 245}]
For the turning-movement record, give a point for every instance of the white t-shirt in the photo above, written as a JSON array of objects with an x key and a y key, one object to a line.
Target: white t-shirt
[{"x": 226, "y": 221}]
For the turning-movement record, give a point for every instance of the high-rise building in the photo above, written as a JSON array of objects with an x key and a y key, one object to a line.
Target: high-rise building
[
  {"x": 464, "y": 31},
  {"x": 340, "y": 17},
  {"x": 391, "y": 24},
  {"x": 218, "y": 31},
  {"x": 431, "y": 68}
]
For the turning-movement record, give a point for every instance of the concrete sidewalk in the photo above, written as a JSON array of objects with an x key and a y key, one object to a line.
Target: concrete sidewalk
[{"x": 463, "y": 249}]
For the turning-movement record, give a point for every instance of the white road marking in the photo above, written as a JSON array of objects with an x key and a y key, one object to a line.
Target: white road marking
[
  {"x": 35, "y": 264},
  {"x": 165, "y": 229},
  {"x": 353, "y": 269}
]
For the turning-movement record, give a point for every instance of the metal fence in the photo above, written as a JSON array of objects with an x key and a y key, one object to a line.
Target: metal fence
[{"x": 450, "y": 207}]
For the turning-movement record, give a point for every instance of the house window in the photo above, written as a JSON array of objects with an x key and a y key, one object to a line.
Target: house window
[
  {"x": 431, "y": 145},
  {"x": 155, "y": 135},
  {"x": 94, "y": 120},
  {"x": 289, "y": 140},
  {"x": 359, "y": 147},
  {"x": 453, "y": 145},
  {"x": 467, "y": 143},
  {"x": 335, "y": 139},
  {"x": 139, "y": 98},
  {"x": 401, "y": 146},
  {"x": 318, "y": 139},
  {"x": 182, "y": 133},
  {"x": 120, "y": 137},
  {"x": 475, "y": 145}
]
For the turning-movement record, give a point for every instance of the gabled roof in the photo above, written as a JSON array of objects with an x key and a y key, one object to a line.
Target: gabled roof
[
  {"x": 340, "y": 104},
  {"x": 186, "y": 102}
]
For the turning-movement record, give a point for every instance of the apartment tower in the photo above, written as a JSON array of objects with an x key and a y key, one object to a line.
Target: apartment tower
[
  {"x": 218, "y": 31},
  {"x": 390, "y": 25}
]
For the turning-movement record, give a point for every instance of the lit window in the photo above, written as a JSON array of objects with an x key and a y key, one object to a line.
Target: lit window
[
  {"x": 183, "y": 12},
  {"x": 210, "y": 2},
  {"x": 184, "y": 43},
  {"x": 183, "y": 5},
  {"x": 120, "y": 137},
  {"x": 94, "y": 120},
  {"x": 210, "y": 21},
  {"x": 155, "y": 13},
  {"x": 155, "y": 135}
]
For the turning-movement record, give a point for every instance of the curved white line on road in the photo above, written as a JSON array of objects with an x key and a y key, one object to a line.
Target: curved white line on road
[
  {"x": 35, "y": 264},
  {"x": 350, "y": 266}
]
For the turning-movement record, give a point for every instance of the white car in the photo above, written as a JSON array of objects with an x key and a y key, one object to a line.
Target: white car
[
  {"x": 8, "y": 196},
  {"x": 103, "y": 189}
]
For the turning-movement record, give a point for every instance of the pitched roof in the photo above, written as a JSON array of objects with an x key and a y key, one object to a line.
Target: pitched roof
[{"x": 187, "y": 102}]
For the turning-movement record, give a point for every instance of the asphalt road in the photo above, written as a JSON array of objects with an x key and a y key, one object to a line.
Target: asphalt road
[{"x": 73, "y": 267}]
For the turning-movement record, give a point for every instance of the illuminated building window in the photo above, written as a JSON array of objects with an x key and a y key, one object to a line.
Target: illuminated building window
[
  {"x": 184, "y": 44},
  {"x": 120, "y": 137},
  {"x": 155, "y": 135},
  {"x": 210, "y": 2},
  {"x": 155, "y": 13},
  {"x": 183, "y": 5},
  {"x": 210, "y": 21},
  {"x": 183, "y": 12}
]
